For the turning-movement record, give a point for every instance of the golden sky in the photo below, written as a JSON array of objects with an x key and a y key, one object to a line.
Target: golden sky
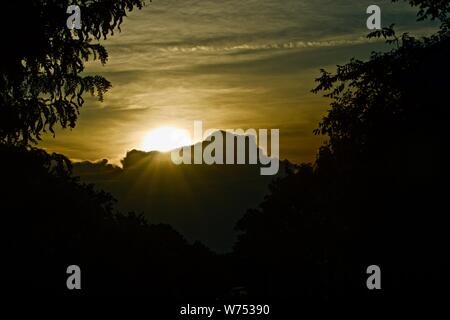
[{"x": 231, "y": 64}]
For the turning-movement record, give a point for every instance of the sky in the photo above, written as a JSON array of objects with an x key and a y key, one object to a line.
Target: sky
[{"x": 230, "y": 63}]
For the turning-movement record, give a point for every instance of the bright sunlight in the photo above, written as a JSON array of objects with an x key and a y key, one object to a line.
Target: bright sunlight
[{"x": 165, "y": 139}]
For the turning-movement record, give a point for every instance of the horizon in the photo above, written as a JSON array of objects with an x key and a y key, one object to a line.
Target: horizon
[{"x": 191, "y": 145}]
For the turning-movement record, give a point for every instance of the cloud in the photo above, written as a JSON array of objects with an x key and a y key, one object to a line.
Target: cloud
[
  {"x": 230, "y": 63},
  {"x": 271, "y": 46},
  {"x": 216, "y": 195}
]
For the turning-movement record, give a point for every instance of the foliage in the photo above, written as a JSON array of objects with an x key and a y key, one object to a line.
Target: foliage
[
  {"x": 52, "y": 221},
  {"x": 41, "y": 82},
  {"x": 373, "y": 194}
]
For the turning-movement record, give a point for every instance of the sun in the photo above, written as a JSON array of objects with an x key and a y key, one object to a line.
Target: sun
[{"x": 165, "y": 139}]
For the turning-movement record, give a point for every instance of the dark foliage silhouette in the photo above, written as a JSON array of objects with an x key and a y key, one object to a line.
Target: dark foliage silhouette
[
  {"x": 41, "y": 84},
  {"x": 375, "y": 194},
  {"x": 50, "y": 219}
]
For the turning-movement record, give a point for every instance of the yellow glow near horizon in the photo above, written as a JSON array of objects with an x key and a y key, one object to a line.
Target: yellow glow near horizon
[{"x": 165, "y": 139}]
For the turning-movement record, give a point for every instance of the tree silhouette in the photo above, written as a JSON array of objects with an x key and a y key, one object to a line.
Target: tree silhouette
[
  {"x": 374, "y": 194},
  {"x": 51, "y": 219},
  {"x": 41, "y": 83}
]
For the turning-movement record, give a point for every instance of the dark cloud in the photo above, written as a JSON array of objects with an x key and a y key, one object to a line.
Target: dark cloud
[{"x": 203, "y": 202}]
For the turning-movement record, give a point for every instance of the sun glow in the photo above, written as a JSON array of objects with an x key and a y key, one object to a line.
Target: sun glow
[{"x": 165, "y": 139}]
